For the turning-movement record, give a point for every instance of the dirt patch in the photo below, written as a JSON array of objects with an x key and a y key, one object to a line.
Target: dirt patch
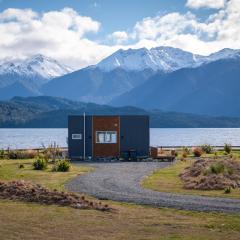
[
  {"x": 205, "y": 174},
  {"x": 26, "y": 191}
]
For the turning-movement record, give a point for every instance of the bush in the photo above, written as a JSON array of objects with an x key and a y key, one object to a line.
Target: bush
[
  {"x": 22, "y": 154},
  {"x": 217, "y": 168},
  {"x": 1, "y": 153},
  {"x": 174, "y": 153},
  {"x": 197, "y": 152},
  {"x": 30, "y": 154},
  {"x": 52, "y": 152},
  {"x": 40, "y": 164},
  {"x": 227, "y": 148},
  {"x": 227, "y": 190},
  {"x": 207, "y": 148},
  {"x": 186, "y": 150},
  {"x": 21, "y": 166},
  {"x": 14, "y": 154},
  {"x": 61, "y": 166}
]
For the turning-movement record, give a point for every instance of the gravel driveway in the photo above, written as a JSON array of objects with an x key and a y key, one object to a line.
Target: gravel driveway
[{"x": 122, "y": 182}]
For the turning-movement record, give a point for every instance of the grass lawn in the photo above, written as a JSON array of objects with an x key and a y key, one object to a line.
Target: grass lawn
[
  {"x": 168, "y": 180},
  {"x": 9, "y": 170},
  {"x": 19, "y": 220}
]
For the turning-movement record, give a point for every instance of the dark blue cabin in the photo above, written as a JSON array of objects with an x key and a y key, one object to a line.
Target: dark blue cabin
[{"x": 108, "y": 136}]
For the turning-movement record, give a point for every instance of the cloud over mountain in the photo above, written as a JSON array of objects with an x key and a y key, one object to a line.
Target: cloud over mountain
[
  {"x": 75, "y": 40},
  {"x": 206, "y": 3}
]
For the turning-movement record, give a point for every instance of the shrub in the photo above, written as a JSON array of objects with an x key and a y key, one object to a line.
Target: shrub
[
  {"x": 186, "y": 150},
  {"x": 1, "y": 153},
  {"x": 22, "y": 154},
  {"x": 30, "y": 154},
  {"x": 21, "y": 166},
  {"x": 217, "y": 168},
  {"x": 14, "y": 154},
  {"x": 227, "y": 148},
  {"x": 61, "y": 166},
  {"x": 174, "y": 153},
  {"x": 227, "y": 190},
  {"x": 184, "y": 155},
  {"x": 40, "y": 164},
  {"x": 207, "y": 148},
  {"x": 52, "y": 152},
  {"x": 197, "y": 152}
]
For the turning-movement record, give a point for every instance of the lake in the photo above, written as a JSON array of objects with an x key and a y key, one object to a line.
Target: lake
[{"x": 37, "y": 137}]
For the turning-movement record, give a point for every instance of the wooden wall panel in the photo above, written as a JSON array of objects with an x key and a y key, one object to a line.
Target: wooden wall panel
[{"x": 106, "y": 123}]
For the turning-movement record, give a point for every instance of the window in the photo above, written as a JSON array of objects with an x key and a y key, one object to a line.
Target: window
[
  {"x": 106, "y": 137},
  {"x": 77, "y": 136}
]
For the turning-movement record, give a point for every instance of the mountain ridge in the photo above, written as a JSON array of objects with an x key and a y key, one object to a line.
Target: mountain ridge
[{"x": 52, "y": 112}]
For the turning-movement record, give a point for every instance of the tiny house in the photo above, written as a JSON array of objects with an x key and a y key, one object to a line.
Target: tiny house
[{"x": 92, "y": 137}]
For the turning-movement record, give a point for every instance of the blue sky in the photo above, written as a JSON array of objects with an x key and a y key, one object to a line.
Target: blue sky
[
  {"x": 113, "y": 14},
  {"x": 82, "y": 32}
]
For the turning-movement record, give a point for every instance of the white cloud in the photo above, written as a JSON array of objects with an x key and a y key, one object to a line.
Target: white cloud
[
  {"x": 58, "y": 34},
  {"x": 186, "y": 31},
  {"x": 205, "y": 4},
  {"x": 119, "y": 37}
]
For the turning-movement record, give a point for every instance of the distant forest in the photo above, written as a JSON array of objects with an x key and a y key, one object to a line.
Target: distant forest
[{"x": 52, "y": 112}]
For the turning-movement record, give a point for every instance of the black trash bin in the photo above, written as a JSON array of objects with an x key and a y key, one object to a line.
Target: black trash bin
[{"x": 132, "y": 155}]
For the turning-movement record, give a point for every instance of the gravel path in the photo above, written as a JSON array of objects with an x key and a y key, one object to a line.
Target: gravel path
[{"x": 121, "y": 182}]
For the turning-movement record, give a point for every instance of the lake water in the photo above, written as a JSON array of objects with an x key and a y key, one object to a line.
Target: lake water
[{"x": 35, "y": 138}]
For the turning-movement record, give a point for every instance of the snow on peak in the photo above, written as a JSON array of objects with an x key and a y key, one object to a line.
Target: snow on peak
[
  {"x": 162, "y": 58},
  {"x": 159, "y": 58},
  {"x": 38, "y": 65},
  {"x": 223, "y": 54}
]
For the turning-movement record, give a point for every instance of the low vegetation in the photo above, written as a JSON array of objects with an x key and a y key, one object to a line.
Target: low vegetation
[
  {"x": 21, "y": 154},
  {"x": 197, "y": 152},
  {"x": 61, "y": 166},
  {"x": 168, "y": 179},
  {"x": 227, "y": 148},
  {"x": 40, "y": 164},
  {"x": 207, "y": 148},
  {"x": 10, "y": 170},
  {"x": 206, "y": 174}
]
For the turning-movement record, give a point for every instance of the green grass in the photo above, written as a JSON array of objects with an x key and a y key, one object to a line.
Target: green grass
[
  {"x": 168, "y": 180},
  {"x": 19, "y": 220},
  {"x": 32, "y": 221},
  {"x": 9, "y": 170}
]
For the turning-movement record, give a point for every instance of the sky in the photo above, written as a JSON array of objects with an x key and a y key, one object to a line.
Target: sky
[{"x": 82, "y": 32}]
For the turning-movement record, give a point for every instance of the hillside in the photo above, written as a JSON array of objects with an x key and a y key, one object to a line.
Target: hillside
[
  {"x": 94, "y": 85},
  {"x": 52, "y": 112},
  {"x": 211, "y": 89}
]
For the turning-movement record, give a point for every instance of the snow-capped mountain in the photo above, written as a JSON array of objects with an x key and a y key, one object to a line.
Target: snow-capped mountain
[
  {"x": 37, "y": 65},
  {"x": 165, "y": 59},
  {"x": 124, "y": 71},
  {"x": 223, "y": 54},
  {"x": 29, "y": 74}
]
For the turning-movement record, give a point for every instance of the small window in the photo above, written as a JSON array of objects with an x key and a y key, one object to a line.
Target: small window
[
  {"x": 106, "y": 137},
  {"x": 77, "y": 136}
]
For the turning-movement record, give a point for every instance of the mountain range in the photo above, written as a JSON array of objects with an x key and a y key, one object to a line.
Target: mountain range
[
  {"x": 25, "y": 77},
  {"x": 43, "y": 111},
  {"x": 163, "y": 78},
  {"x": 211, "y": 89},
  {"x": 125, "y": 70}
]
